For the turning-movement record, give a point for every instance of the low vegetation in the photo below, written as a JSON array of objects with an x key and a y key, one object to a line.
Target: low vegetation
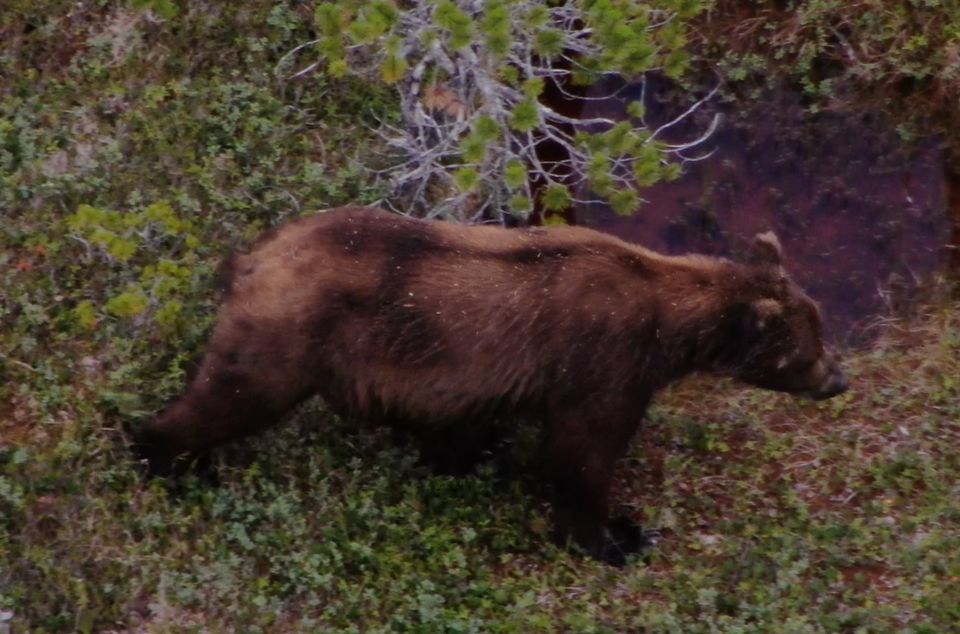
[
  {"x": 777, "y": 515},
  {"x": 137, "y": 147},
  {"x": 899, "y": 58}
]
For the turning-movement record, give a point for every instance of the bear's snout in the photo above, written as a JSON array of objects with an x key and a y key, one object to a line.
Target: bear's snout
[{"x": 835, "y": 381}]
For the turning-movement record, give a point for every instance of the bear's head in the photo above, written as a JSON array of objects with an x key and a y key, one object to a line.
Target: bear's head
[{"x": 783, "y": 330}]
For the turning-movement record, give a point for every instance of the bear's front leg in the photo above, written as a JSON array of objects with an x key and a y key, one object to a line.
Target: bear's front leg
[{"x": 580, "y": 460}]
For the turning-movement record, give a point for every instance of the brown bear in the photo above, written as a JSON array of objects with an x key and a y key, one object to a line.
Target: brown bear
[{"x": 444, "y": 329}]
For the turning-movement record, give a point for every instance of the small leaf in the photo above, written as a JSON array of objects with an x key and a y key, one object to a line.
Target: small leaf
[
  {"x": 128, "y": 304},
  {"x": 509, "y": 74},
  {"x": 619, "y": 139},
  {"x": 363, "y": 31},
  {"x": 688, "y": 8},
  {"x": 165, "y": 9},
  {"x": 624, "y": 202},
  {"x": 167, "y": 314},
  {"x": 330, "y": 49},
  {"x": 124, "y": 403},
  {"x": 338, "y": 68},
  {"x": 515, "y": 174},
  {"x": 496, "y": 26},
  {"x": 647, "y": 173},
  {"x": 588, "y": 141},
  {"x": 588, "y": 71},
  {"x": 525, "y": 116},
  {"x": 85, "y": 314},
  {"x": 329, "y": 19},
  {"x": 499, "y": 43},
  {"x": 458, "y": 24},
  {"x": 533, "y": 87},
  {"x": 497, "y": 17},
  {"x": 672, "y": 172},
  {"x": 601, "y": 183},
  {"x": 373, "y": 21},
  {"x": 393, "y": 69},
  {"x": 548, "y": 43},
  {"x": 466, "y": 178},
  {"x": 473, "y": 149},
  {"x": 121, "y": 248},
  {"x": 460, "y": 37},
  {"x": 638, "y": 57},
  {"x": 555, "y": 198},
  {"x": 163, "y": 213},
  {"x": 384, "y": 12},
  {"x": 676, "y": 63},
  {"x": 521, "y": 205},
  {"x": 486, "y": 128},
  {"x": 636, "y": 109},
  {"x": 85, "y": 217},
  {"x": 598, "y": 165},
  {"x": 537, "y": 16}
]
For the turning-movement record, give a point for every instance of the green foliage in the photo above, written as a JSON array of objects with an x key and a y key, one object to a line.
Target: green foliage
[
  {"x": 636, "y": 109},
  {"x": 124, "y": 177},
  {"x": 166, "y": 9},
  {"x": 521, "y": 205},
  {"x": 525, "y": 116},
  {"x": 895, "y": 57},
  {"x": 515, "y": 174},
  {"x": 373, "y": 19},
  {"x": 157, "y": 280},
  {"x": 456, "y": 23},
  {"x": 466, "y": 178},
  {"x": 134, "y": 151},
  {"x": 129, "y": 303},
  {"x": 599, "y": 173},
  {"x": 393, "y": 69},
  {"x": 457, "y": 66},
  {"x": 555, "y": 198},
  {"x": 548, "y": 42},
  {"x": 473, "y": 148},
  {"x": 625, "y": 202},
  {"x": 496, "y": 27},
  {"x": 486, "y": 129}
]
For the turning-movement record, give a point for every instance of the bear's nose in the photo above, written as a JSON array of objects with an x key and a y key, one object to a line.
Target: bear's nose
[{"x": 838, "y": 383}]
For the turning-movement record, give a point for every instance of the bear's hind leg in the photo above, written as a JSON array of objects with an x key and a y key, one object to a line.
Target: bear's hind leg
[{"x": 457, "y": 448}]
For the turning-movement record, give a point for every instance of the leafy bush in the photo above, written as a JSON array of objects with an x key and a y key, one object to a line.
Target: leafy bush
[
  {"x": 471, "y": 79},
  {"x": 900, "y": 57}
]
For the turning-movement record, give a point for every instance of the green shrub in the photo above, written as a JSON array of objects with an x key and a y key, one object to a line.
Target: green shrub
[
  {"x": 471, "y": 78},
  {"x": 896, "y": 57}
]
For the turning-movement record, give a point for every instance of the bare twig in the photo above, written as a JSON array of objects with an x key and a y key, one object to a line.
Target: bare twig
[{"x": 452, "y": 92}]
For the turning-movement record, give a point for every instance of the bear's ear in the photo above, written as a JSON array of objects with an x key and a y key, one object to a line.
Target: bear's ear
[{"x": 766, "y": 251}]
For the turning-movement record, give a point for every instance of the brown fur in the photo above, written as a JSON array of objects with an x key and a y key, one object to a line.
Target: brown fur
[{"x": 443, "y": 328}]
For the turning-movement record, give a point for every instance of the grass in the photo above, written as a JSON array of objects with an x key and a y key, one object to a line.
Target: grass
[
  {"x": 133, "y": 153},
  {"x": 777, "y": 515},
  {"x": 899, "y": 58}
]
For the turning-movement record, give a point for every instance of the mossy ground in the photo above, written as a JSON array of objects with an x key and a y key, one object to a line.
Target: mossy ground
[{"x": 134, "y": 152}]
